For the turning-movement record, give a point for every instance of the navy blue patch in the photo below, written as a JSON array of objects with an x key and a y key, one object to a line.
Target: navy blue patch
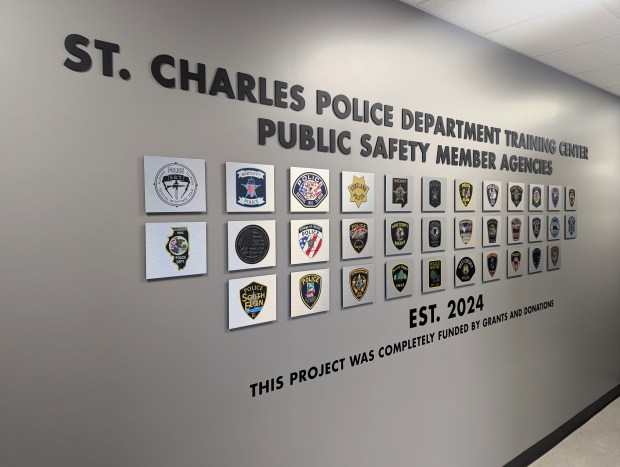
[
  {"x": 466, "y": 269},
  {"x": 434, "y": 193},
  {"x": 253, "y": 297},
  {"x": 536, "y": 254},
  {"x": 554, "y": 227},
  {"x": 310, "y": 289},
  {"x": 492, "y": 193},
  {"x": 310, "y": 189},
  {"x": 400, "y": 233},
  {"x": 434, "y": 234},
  {"x": 536, "y": 223},
  {"x": 555, "y": 196},
  {"x": 572, "y": 225},
  {"x": 492, "y": 263},
  {"x": 251, "y": 186}
]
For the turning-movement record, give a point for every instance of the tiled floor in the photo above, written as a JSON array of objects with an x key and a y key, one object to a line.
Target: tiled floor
[{"x": 595, "y": 444}]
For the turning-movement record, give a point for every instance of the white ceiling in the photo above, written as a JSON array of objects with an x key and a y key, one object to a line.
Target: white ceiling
[{"x": 578, "y": 37}]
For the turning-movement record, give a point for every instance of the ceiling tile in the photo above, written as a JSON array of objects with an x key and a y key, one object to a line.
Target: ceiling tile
[
  {"x": 483, "y": 16},
  {"x": 603, "y": 78},
  {"x": 584, "y": 22},
  {"x": 585, "y": 57}
]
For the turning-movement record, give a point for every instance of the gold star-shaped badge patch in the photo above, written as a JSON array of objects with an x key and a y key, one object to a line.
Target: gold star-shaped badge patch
[{"x": 358, "y": 190}]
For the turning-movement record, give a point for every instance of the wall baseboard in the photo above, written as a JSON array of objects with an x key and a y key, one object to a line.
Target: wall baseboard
[{"x": 554, "y": 438}]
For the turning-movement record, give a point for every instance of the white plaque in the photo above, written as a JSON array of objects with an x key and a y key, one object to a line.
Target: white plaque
[
  {"x": 358, "y": 285},
  {"x": 174, "y": 184},
  {"x": 554, "y": 227},
  {"x": 491, "y": 196},
  {"x": 515, "y": 230},
  {"x": 515, "y": 262},
  {"x": 465, "y": 232},
  {"x": 434, "y": 234},
  {"x": 358, "y": 238},
  {"x": 176, "y": 249},
  {"x": 554, "y": 198},
  {"x": 570, "y": 227},
  {"x": 515, "y": 196},
  {"x": 570, "y": 198},
  {"x": 398, "y": 193},
  {"x": 358, "y": 192},
  {"x": 491, "y": 270},
  {"x": 466, "y": 269},
  {"x": 309, "y": 241},
  {"x": 536, "y": 228},
  {"x": 434, "y": 273},
  {"x": 251, "y": 244},
  {"x": 249, "y": 187},
  {"x": 434, "y": 194},
  {"x": 309, "y": 190},
  {"x": 491, "y": 231},
  {"x": 536, "y": 259},
  {"x": 536, "y": 197},
  {"x": 251, "y": 301},
  {"x": 399, "y": 278},
  {"x": 398, "y": 236},
  {"x": 465, "y": 195},
  {"x": 553, "y": 257},
  {"x": 309, "y": 292}
]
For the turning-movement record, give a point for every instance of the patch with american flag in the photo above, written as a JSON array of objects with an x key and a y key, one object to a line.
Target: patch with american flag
[{"x": 310, "y": 239}]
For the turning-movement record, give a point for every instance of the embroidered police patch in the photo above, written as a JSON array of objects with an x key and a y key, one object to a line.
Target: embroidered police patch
[
  {"x": 358, "y": 235},
  {"x": 175, "y": 184},
  {"x": 309, "y": 189},
  {"x": 358, "y": 190},
  {"x": 434, "y": 190},
  {"x": 515, "y": 260},
  {"x": 492, "y": 193},
  {"x": 555, "y": 196},
  {"x": 178, "y": 246},
  {"x": 251, "y": 187},
  {"x": 492, "y": 230},
  {"x": 571, "y": 197},
  {"x": 536, "y": 224},
  {"x": 465, "y": 230},
  {"x": 252, "y": 244},
  {"x": 515, "y": 225},
  {"x": 536, "y": 255},
  {"x": 310, "y": 239},
  {"x": 358, "y": 279},
  {"x": 310, "y": 289},
  {"x": 536, "y": 196},
  {"x": 572, "y": 222},
  {"x": 400, "y": 233},
  {"x": 555, "y": 255},
  {"x": 516, "y": 194},
  {"x": 466, "y": 190},
  {"x": 400, "y": 190},
  {"x": 465, "y": 269},
  {"x": 492, "y": 263},
  {"x": 252, "y": 298},
  {"x": 434, "y": 234},
  {"x": 400, "y": 275},
  {"x": 434, "y": 273},
  {"x": 554, "y": 227}
]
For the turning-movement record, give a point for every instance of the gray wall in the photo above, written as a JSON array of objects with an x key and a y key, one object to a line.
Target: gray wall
[{"x": 100, "y": 368}]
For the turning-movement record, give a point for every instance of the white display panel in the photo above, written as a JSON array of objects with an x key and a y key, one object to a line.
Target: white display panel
[
  {"x": 309, "y": 292},
  {"x": 309, "y": 241},
  {"x": 174, "y": 184},
  {"x": 358, "y": 191},
  {"x": 466, "y": 269},
  {"x": 491, "y": 265},
  {"x": 554, "y": 198},
  {"x": 515, "y": 262},
  {"x": 175, "y": 249},
  {"x": 515, "y": 196},
  {"x": 491, "y": 196},
  {"x": 434, "y": 273},
  {"x": 465, "y": 195},
  {"x": 398, "y": 235},
  {"x": 399, "y": 193},
  {"x": 435, "y": 234},
  {"x": 251, "y": 301},
  {"x": 515, "y": 230},
  {"x": 536, "y": 197},
  {"x": 434, "y": 192},
  {"x": 309, "y": 190},
  {"x": 251, "y": 244},
  {"x": 358, "y": 285},
  {"x": 249, "y": 187},
  {"x": 491, "y": 231},
  {"x": 358, "y": 238},
  {"x": 399, "y": 278},
  {"x": 465, "y": 229}
]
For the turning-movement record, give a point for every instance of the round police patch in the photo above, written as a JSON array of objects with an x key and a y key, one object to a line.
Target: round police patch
[
  {"x": 175, "y": 184},
  {"x": 310, "y": 189},
  {"x": 465, "y": 269},
  {"x": 252, "y": 244}
]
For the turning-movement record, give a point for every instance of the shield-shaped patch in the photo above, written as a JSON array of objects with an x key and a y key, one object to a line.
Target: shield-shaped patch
[
  {"x": 465, "y": 230},
  {"x": 434, "y": 193},
  {"x": 555, "y": 196},
  {"x": 536, "y": 223},
  {"x": 516, "y": 195},
  {"x": 358, "y": 235},
  {"x": 554, "y": 227},
  {"x": 492, "y": 263},
  {"x": 434, "y": 234},
  {"x": 492, "y": 230},
  {"x": 515, "y": 225},
  {"x": 492, "y": 193},
  {"x": 358, "y": 279},
  {"x": 555, "y": 254},
  {"x": 536, "y": 196},
  {"x": 515, "y": 260},
  {"x": 310, "y": 239},
  {"x": 465, "y": 191},
  {"x": 253, "y": 297},
  {"x": 571, "y": 197},
  {"x": 572, "y": 225},
  {"x": 310, "y": 289},
  {"x": 536, "y": 254},
  {"x": 400, "y": 233},
  {"x": 400, "y": 274}
]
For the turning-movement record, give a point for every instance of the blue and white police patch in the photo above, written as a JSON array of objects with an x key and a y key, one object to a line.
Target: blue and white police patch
[
  {"x": 251, "y": 187},
  {"x": 309, "y": 189}
]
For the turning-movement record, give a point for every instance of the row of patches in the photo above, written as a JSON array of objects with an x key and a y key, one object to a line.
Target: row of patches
[
  {"x": 177, "y": 185},
  {"x": 252, "y": 300}
]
